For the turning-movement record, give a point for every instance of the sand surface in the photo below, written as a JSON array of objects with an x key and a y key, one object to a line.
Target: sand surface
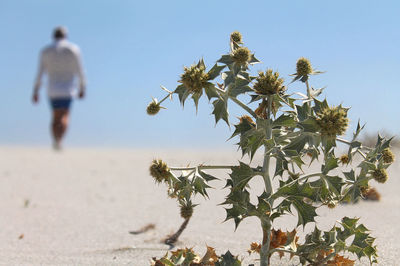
[{"x": 76, "y": 207}]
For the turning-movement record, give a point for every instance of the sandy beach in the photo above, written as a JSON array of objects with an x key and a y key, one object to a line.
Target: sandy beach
[{"x": 76, "y": 207}]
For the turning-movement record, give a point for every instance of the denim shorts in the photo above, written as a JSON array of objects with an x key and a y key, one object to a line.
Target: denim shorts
[{"x": 61, "y": 103}]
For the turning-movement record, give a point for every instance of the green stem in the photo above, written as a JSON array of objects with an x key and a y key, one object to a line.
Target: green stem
[
  {"x": 362, "y": 154},
  {"x": 349, "y": 143},
  {"x": 166, "y": 97},
  {"x": 266, "y": 224},
  {"x": 282, "y": 250},
  {"x": 265, "y": 252},
  {"x": 267, "y": 179},
  {"x": 245, "y": 107},
  {"x": 201, "y": 167},
  {"x": 305, "y": 177},
  {"x": 308, "y": 91},
  {"x": 309, "y": 97}
]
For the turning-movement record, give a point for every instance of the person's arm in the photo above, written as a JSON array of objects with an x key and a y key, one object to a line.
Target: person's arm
[
  {"x": 81, "y": 76},
  {"x": 38, "y": 81}
]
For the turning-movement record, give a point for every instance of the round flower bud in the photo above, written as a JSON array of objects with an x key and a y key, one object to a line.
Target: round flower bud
[
  {"x": 387, "y": 156},
  {"x": 194, "y": 78},
  {"x": 332, "y": 121},
  {"x": 344, "y": 159},
  {"x": 186, "y": 211},
  {"x": 241, "y": 55},
  {"x": 236, "y": 37},
  {"x": 303, "y": 67},
  {"x": 269, "y": 83},
  {"x": 153, "y": 108},
  {"x": 380, "y": 175},
  {"x": 159, "y": 170}
]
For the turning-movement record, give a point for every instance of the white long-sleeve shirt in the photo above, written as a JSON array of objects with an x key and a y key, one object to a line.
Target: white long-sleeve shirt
[{"x": 61, "y": 62}]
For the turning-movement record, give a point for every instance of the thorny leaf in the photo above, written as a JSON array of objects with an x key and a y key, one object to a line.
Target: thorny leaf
[
  {"x": 228, "y": 260},
  {"x": 221, "y": 110}
]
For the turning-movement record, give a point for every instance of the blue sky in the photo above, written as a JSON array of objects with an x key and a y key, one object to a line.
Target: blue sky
[{"x": 130, "y": 48}]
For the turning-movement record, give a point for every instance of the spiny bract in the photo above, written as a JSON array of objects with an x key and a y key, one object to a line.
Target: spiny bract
[
  {"x": 387, "y": 156},
  {"x": 153, "y": 108},
  {"x": 194, "y": 78},
  {"x": 241, "y": 55},
  {"x": 159, "y": 170},
  {"x": 269, "y": 83},
  {"x": 380, "y": 175},
  {"x": 332, "y": 121},
  {"x": 236, "y": 37},
  {"x": 303, "y": 67}
]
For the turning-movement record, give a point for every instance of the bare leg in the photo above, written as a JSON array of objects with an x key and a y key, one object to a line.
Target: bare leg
[{"x": 59, "y": 125}]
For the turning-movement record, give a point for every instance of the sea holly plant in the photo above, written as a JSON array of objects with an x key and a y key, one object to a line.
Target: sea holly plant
[{"x": 292, "y": 131}]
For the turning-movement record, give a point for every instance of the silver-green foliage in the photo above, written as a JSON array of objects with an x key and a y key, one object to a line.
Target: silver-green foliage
[{"x": 295, "y": 132}]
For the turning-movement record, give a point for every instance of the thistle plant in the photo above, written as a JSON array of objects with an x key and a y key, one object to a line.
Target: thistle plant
[{"x": 292, "y": 133}]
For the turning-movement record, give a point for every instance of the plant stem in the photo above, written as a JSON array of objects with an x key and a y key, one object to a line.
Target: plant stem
[
  {"x": 245, "y": 107},
  {"x": 173, "y": 238},
  {"x": 264, "y": 252},
  {"x": 166, "y": 97},
  {"x": 309, "y": 98},
  {"x": 323, "y": 262},
  {"x": 308, "y": 91},
  {"x": 349, "y": 143},
  {"x": 266, "y": 224},
  {"x": 362, "y": 154},
  {"x": 282, "y": 250},
  {"x": 267, "y": 179},
  {"x": 201, "y": 167}
]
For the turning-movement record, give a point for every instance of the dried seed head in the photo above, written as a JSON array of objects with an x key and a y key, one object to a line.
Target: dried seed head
[
  {"x": 364, "y": 189},
  {"x": 261, "y": 110},
  {"x": 278, "y": 238},
  {"x": 236, "y": 37},
  {"x": 159, "y": 170},
  {"x": 254, "y": 247},
  {"x": 186, "y": 211},
  {"x": 380, "y": 175},
  {"x": 153, "y": 108},
  {"x": 241, "y": 55},
  {"x": 387, "y": 156},
  {"x": 194, "y": 78},
  {"x": 269, "y": 83},
  {"x": 332, "y": 121},
  {"x": 344, "y": 159},
  {"x": 370, "y": 193},
  {"x": 303, "y": 67},
  {"x": 246, "y": 118}
]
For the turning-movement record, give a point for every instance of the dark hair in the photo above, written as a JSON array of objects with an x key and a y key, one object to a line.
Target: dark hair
[{"x": 59, "y": 33}]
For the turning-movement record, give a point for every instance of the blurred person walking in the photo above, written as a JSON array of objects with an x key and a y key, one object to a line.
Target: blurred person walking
[{"x": 61, "y": 62}]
